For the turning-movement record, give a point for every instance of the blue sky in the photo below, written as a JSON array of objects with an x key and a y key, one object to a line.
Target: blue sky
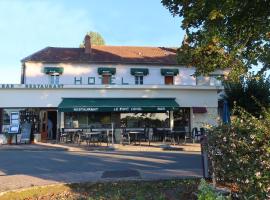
[{"x": 27, "y": 26}]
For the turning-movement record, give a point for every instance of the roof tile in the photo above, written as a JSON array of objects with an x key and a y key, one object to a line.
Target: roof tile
[{"x": 107, "y": 54}]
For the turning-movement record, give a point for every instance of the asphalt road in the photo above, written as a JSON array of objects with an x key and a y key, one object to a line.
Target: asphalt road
[{"x": 24, "y": 168}]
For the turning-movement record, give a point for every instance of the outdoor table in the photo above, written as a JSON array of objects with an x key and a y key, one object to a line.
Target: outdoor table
[
  {"x": 136, "y": 133},
  {"x": 178, "y": 134},
  {"x": 90, "y": 134},
  {"x": 72, "y": 132}
]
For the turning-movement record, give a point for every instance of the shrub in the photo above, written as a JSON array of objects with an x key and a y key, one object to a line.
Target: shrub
[
  {"x": 207, "y": 192},
  {"x": 241, "y": 154}
]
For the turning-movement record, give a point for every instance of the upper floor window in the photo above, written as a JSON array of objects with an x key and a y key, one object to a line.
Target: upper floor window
[
  {"x": 139, "y": 80},
  {"x": 138, "y": 74},
  {"x": 54, "y": 74},
  {"x": 169, "y": 74},
  {"x": 168, "y": 80},
  {"x": 106, "y": 74},
  {"x": 54, "y": 79},
  {"x": 106, "y": 79}
]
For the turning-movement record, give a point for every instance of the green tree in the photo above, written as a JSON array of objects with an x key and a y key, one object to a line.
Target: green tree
[
  {"x": 223, "y": 34},
  {"x": 96, "y": 39},
  {"x": 251, "y": 93}
]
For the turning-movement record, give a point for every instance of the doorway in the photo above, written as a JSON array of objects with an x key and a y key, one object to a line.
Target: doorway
[{"x": 52, "y": 115}]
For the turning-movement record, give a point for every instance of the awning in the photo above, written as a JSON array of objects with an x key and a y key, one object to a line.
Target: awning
[
  {"x": 53, "y": 70},
  {"x": 106, "y": 70},
  {"x": 199, "y": 110},
  {"x": 117, "y": 105},
  {"x": 139, "y": 71},
  {"x": 169, "y": 72}
]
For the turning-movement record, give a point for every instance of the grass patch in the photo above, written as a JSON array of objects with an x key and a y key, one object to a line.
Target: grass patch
[{"x": 139, "y": 190}]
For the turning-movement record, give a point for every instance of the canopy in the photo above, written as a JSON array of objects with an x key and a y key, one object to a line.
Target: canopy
[
  {"x": 169, "y": 72},
  {"x": 106, "y": 70},
  {"x": 117, "y": 104},
  {"x": 199, "y": 110},
  {"x": 139, "y": 71},
  {"x": 53, "y": 70}
]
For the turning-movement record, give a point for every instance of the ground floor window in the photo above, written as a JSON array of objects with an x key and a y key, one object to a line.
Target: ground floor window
[
  {"x": 104, "y": 120},
  {"x": 141, "y": 120},
  {"x": 87, "y": 120}
]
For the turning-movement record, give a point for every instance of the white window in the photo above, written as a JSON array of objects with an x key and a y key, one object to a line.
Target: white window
[
  {"x": 139, "y": 80},
  {"x": 54, "y": 79}
]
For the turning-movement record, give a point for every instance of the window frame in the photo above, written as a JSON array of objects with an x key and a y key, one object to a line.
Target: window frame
[
  {"x": 139, "y": 80},
  {"x": 54, "y": 79}
]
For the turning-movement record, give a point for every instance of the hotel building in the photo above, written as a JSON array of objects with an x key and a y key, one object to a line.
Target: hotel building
[{"x": 99, "y": 85}]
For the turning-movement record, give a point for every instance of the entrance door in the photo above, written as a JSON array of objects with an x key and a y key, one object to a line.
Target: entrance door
[{"x": 52, "y": 116}]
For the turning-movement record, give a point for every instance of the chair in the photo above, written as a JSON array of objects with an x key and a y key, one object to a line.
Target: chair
[
  {"x": 110, "y": 136},
  {"x": 168, "y": 135},
  {"x": 125, "y": 136},
  {"x": 202, "y": 131},
  {"x": 196, "y": 135},
  {"x": 188, "y": 134},
  {"x": 63, "y": 137},
  {"x": 144, "y": 135}
]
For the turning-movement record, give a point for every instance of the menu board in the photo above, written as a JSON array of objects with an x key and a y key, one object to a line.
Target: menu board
[
  {"x": 26, "y": 132},
  {"x": 14, "y": 129},
  {"x": 14, "y": 118}
]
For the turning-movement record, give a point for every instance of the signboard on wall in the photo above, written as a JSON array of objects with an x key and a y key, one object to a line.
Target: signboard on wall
[{"x": 26, "y": 132}]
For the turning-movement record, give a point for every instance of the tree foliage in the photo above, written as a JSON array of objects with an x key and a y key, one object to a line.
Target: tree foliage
[
  {"x": 96, "y": 39},
  {"x": 223, "y": 34},
  {"x": 251, "y": 93}
]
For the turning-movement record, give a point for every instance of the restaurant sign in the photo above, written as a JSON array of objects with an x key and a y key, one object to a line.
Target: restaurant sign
[
  {"x": 31, "y": 86},
  {"x": 120, "y": 109}
]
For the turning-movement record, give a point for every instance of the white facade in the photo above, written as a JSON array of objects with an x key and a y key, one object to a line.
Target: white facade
[
  {"x": 186, "y": 96},
  {"x": 34, "y": 74}
]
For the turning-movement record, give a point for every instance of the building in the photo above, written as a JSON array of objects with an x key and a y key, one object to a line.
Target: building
[{"x": 97, "y": 85}]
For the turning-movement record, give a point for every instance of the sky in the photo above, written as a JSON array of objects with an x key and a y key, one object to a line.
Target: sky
[{"x": 27, "y": 26}]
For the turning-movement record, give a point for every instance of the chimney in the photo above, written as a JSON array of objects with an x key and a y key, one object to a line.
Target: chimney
[{"x": 87, "y": 45}]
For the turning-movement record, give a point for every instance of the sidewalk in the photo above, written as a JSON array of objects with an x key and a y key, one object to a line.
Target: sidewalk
[{"x": 155, "y": 147}]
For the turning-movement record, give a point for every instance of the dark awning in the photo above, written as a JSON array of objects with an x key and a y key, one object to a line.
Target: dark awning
[
  {"x": 169, "y": 72},
  {"x": 199, "y": 110},
  {"x": 117, "y": 105},
  {"x": 53, "y": 70},
  {"x": 139, "y": 71},
  {"x": 106, "y": 70}
]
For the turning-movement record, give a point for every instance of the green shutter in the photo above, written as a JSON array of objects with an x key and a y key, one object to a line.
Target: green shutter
[
  {"x": 52, "y": 70},
  {"x": 169, "y": 72},
  {"x": 139, "y": 71},
  {"x": 106, "y": 70}
]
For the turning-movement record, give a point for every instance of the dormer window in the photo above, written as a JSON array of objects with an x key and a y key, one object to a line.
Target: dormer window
[
  {"x": 169, "y": 75},
  {"x": 54, "y": 74}
]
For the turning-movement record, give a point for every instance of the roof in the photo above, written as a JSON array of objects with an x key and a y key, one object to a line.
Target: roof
[{"x": 107, "y": 54}]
